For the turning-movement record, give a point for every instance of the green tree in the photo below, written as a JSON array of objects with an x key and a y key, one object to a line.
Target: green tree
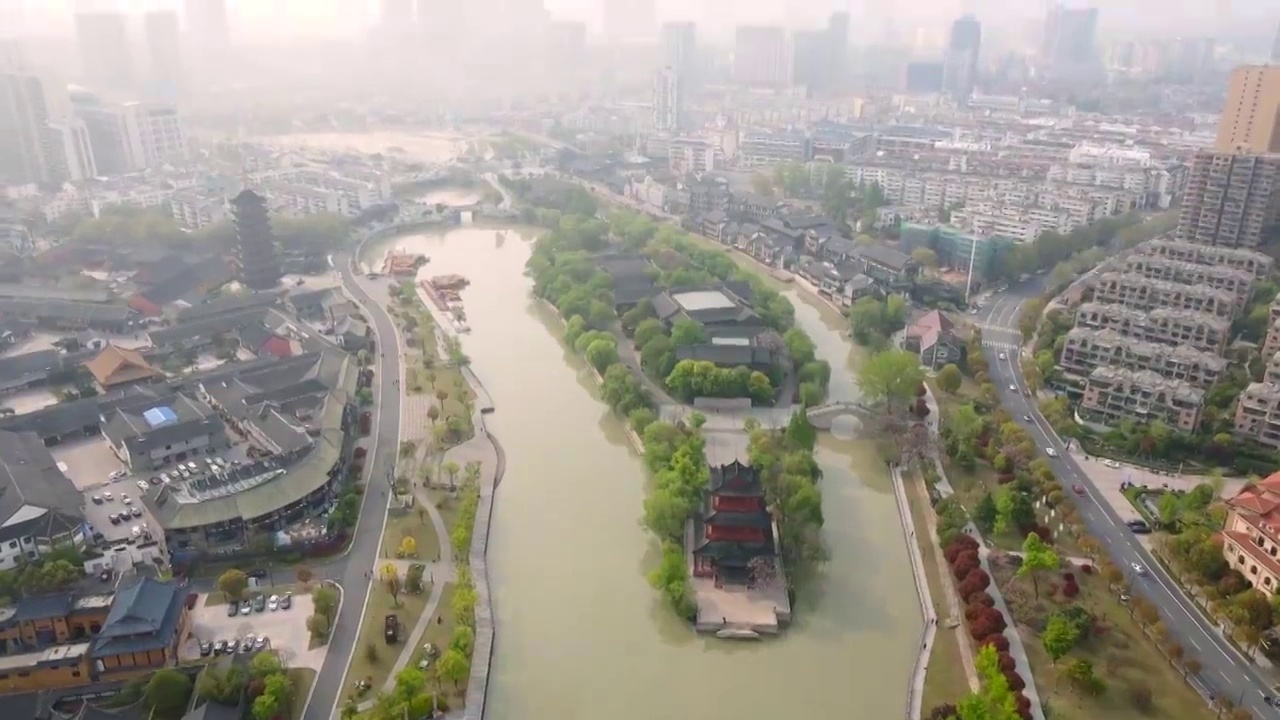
[
  {"x": 800, "y": 432},
  {"x": 949, "y": 378},
  {"x": 221, "y": 686},
  {"x": 984, "y": 513},
  {"x": 1037, "y": 556},
  {"x": 453, "y": 666},
  {"x": 1080, "y": 673},
  {"x": 265, "y": 663},
  {"x": 1013, "y": 511},
  {"x": 168, "y": 692},
  {"x": 926, "y": 257},
  {"x": 686, "y": 332},
  {"x": 891, "y": 377},
  {"x": 646, "y": 331},
  {"x": 1060, "y": 635},
  {"x": 233, "y": 583},
  {"x": 602, "y": 353},
  {"x": 759, "y": 388},
  {"x": 665, "y": 513}
]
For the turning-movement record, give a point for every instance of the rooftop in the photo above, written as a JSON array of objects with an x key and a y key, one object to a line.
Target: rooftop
[
  {"x": 694, "y": 301},
  {"x": 35, "y": 497},
  {"x": 1148, "y": 381}
]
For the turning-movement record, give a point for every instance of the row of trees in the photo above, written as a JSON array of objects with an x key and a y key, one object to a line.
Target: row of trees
[
  {"x": 690, "y": 379},
  {"x": 790, "y": 473},
  {"x": 676, "y": 456}
]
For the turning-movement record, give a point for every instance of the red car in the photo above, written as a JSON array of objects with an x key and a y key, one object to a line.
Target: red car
[{"x": 1077, "y": 489}]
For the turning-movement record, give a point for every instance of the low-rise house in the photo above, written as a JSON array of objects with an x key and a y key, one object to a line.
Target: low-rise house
[
  {"x": 1250, "y": 541},
  {"x": 150, "y": 433},
  {"x": 114, "y": 367},
  {"x": 730, "y": 352},
  {"x": 40, "y": 508},
  {"x": 884, "y": 264},
  {"x": 29, "y": 370},
  {"x": 714, "y": 307},
  {"x": 934, "y": 339},
  {"x": 69, "y": 315}
]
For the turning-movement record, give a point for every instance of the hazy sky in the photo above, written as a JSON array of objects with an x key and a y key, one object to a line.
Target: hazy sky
[{"x": 1117, "y": 17}]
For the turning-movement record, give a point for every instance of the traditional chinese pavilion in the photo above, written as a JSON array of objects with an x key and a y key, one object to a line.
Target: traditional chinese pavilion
[{"x": 732, "y": 528}]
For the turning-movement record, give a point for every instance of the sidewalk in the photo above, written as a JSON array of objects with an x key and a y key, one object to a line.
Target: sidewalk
[
  {"x": 921, "y": 666},
  {"x": 1016, "y": 649}
]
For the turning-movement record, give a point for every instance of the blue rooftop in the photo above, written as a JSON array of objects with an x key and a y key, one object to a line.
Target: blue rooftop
[{"x": 158, "y": 416}]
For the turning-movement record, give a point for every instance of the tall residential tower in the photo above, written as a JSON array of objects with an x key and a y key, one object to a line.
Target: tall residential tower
[{"x": 961, "y": 64}]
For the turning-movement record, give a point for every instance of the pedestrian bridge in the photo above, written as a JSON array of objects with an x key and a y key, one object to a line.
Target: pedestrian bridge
[{"x": 821, "y": 416}]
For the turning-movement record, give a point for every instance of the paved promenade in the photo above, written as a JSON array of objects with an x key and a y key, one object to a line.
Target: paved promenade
[{"x": 921, "y": 666}]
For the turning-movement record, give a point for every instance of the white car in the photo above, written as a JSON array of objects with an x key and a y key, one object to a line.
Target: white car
[
  {"x": 142, "y": 485},
  {"x": 116, "y": 475},
  {"x": 108, "y": 496},
  {"x": 1138, "y": 568},
  {"x": 1013, "y": 388},
  {"x": 1111, "y": 464},
  {"x": 273, "y": 603},
  {"x": 1003, "y": 356},
  {"x": 1051, "y": 452},
  {"x": 193, "y": 467}
]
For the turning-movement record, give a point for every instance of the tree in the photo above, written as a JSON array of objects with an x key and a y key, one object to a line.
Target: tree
[
  {"x": 1037, "y": 556},
  {"x": 891, "y": 377},
  {"x": 408, "y": 547},
  {"x": 168, "y": 692},
  {"x": 318, "y": 626},
  {"x": 1080, "y": 673},
  {"x": 221, "y": 686},
  {"x": 392, "y": 578},
  {"x": 602, "y": 353},
  {"x": 451, "y": 469},
  {"x": 686, "y": 332},
  {"x": 926, "y": 257},
  {"x": 800, "y": 432},
  {"x": 433, "y": 414},
  {"x": 233, "y": 583},
  {"x": 949, "y": 378},
  {"x": 325, "y": 600},
  {"x": 265, "y": 663},
  {"x": 1060, "y": 635},
  {"x": 453, "y": 666}
]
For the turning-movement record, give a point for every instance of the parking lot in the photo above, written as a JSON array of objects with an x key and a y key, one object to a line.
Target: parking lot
[
  {"x": 88, "y": 462},
  {"x": 1108, "y": 475},
  {"x": 286, "y": 630}
]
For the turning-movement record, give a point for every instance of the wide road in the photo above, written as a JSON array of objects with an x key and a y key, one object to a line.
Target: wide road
[
  {"x": 363, "y": 553},
  {"x": 1225, "y": 673}
]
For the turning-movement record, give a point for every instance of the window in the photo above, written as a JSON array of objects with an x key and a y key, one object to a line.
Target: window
[{"x": 1253, "y": 569}]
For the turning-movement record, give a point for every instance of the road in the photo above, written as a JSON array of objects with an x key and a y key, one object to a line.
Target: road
[
  {"x": 1225, "y": 673},
  {"x": 363, "y": 554}
]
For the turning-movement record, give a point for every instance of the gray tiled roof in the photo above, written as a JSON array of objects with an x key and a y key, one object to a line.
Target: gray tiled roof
[
  {"x": 30, "y": 479},
  {"x": 144, "y": 615}
]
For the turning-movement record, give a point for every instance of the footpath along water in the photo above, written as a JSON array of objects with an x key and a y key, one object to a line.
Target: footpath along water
[{"x": 580, "y": 634}]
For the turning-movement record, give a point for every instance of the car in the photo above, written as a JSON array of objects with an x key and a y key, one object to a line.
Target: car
[
  {"x": 126, "y": 500},
  {"x": 258, "y": 574},
  {"x": 155, "y": 480},
  {"x": 1138, "y": 569},
  {"x": 1078, "y": 489},
  {"x": 286, "y": 601},
  {"x": 1013, "y": 388},
  {"x": 97, "y": 499},
  {"x": 259, "y": 603},
  {"x": 107, "y": 496},
  {"x": 247, "y": 644},
  {"x": 232, "y": 609},
  {"x": 185, "y": 473},
  {"x": 1027, "y": 418},
  {"x": 99, "y": 537},
  {"x": 221, "y": 461},
  {"x": 142, "y": 485},
  {"x": 246, "y": 607},
  {"x": 136, "y": 511},
  {"x": 135, "y": 530},
  {"x": 114, "y": 519},
  {"x": 1002, "y": 356},
  {"x": 391, "y": 629},
  {"x": 1139, "y": 528},
  {"x": 273, "y": 603},
  {"x": 193, "y": 467},
  {"x": 206, "y": 649},
  {"x": 260, "y": 642},
  {"x": 209, "y": 461},
  {"x": 220, "y": 647},
  {"x": 117, "y": 474},
  {"x": 1111, "y": 464},
  {"x": 1051, "y": 452},
  {"x": 105, "y": 575}
]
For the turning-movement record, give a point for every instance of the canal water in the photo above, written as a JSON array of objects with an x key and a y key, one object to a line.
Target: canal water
[
  {"x": 450, "y": 196},
  {"x": 580, "y": 634}
]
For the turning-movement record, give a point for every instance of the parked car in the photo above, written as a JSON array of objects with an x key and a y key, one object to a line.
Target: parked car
[
  {"x": 142, "y": 485},
  {"x": 206, "y": 649},
  {"x": 193, "y": 467},
  {"x": 1111, "y": 464},
  {"x": 107, "y": 496},
  {"x": 286, "y": 601},
  {"x": 391, "y": 629},
  {"x": 220, "y": 646},
  {"x": 259, "y": 603},
  {"x": 273, "y": 603},
  {"x": 124, "y": 498},
  {"x": 232, "y": 609},
  {"x": 105, "y": 575},
  {"x": 114, "y": 518},
  {"x": 136, "y": 511},
  {"x": 247, "y": 644},
  {"x": 97, "y": 499},
  {"x": 260, "y": 642},
  {"x": 117, "y": 474},
  {"x": 246, "y": 607}
]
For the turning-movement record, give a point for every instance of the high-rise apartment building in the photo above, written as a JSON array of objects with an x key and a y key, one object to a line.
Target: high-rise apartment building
[
  {"x": 961, "y": 62},
  {"x": 164, "y": 53},
  {"x": 811, "y": 58},
  {"x": 761, "y": 56},
  {"x": 838, "y": 37},
  {"x": 129, "y": 137},
  {"x": 629, "y": 19},
  {"x": 24, "y": 116},
  {"x": 666, "y": 100},
  {"x": 1250, "y": 121},
  {"x": 206, "y": 24},
  {"x": 1230, "y": 198},
  {"x": 1069, "y": 35},
  {"x": 106, "y": 56},
  {"x": 679, "y": 42}
]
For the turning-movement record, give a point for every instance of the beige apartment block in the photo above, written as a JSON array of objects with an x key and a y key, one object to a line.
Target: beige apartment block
[
  {"x": 1171, "y": 326},
  {"x": 1271, "y": 344},
  {"x": 1135, "y": 291},
  {"x": 1229, "y": 200},
  {"x": 1239, "y": 258},
  {"x": 1236, "y": 281},
  {"x": 1258, "y": 412},
  {"x": 1250, "y": 542},
  {"x": 1113, "y": 395},
  {"x": 1086, "y": 350},
  {"x": 1250, "y": 120}
]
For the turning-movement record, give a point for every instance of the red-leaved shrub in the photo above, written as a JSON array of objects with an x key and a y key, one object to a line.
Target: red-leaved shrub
[
  {"x": 1016, "y": 682},
  {"x": 964, "y": 541},
  {"x": 963, "y": 567},
  {"x": 1086, "y": 569},
  {"x": 1070, "y": 590},
  {"x": 999, "y": 642},
  {"x": 1007, "y": 663},
  {"x": 1070, "y": 577},
  {"x": 980, "y": 598},
  {"x": 976, "y": 581},
  {"x": 1024, "y": 706}
]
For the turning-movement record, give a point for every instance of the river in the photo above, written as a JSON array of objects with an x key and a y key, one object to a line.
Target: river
[{"x": 580, "y": 634}]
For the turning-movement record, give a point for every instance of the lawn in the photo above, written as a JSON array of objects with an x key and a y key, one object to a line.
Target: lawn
[
  {"x": 945, "y": 681},
  {"x": 439, "y": 634},
  {"x": 1124, "y": 658},
  {"x": 302, "y": 679},
  {"x": 376, "y": 668},
  {"x": 448, "y": 504},
  {"x": 414, "y": 523}
]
